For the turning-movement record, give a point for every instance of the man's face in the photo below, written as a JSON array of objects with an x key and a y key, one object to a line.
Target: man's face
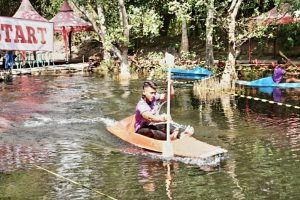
[{"x": 149, "y": 93}]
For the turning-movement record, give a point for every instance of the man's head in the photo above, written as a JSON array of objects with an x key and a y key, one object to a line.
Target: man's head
[
  {"x": 149, "y": 90},
  {"x": 281, "y": 61}
]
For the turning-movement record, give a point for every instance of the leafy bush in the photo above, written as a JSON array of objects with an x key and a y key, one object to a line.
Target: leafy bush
[{"x": 188, "y": 55}]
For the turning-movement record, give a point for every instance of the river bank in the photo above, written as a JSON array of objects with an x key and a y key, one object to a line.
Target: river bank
[{"x": 47, "y": 70}]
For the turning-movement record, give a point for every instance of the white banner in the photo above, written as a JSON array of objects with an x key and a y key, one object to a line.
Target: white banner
[{"x": 27, "y": 35}]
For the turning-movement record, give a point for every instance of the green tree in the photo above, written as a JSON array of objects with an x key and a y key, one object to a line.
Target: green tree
[
  {"x": 116, "y": 23},
  {"x": 182, "y": 10}
]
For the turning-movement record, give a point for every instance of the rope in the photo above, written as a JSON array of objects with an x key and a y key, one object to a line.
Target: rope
[
  {"x": 250, "y": 97},
  {"x": 258, "y": 99},
  {"x": 264, "y": 100},
  {"x": 76, "y": 183}
]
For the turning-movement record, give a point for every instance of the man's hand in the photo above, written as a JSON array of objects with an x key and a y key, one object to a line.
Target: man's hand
[
  {"x": 165, "y": 117},
  {"x": 156, "y": 118},
  {"x": 171, "y": 81}
]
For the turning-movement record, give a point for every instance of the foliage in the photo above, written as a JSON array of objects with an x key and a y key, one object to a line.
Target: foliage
[
  {"x": 49, "y": 8},
  {"x": 8, "y": 8},
  {"x": 291, "y": 34},
  {"x": 155, "y": 56},
  {"x": 148, "y": 17},
  {"x": 182, "y": 9},
  {"x": 188, "y": 55},
  {"x": 144, "y": 21}
]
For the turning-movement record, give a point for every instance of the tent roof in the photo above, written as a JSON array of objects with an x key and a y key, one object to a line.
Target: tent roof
[
  {"x": 278, "y": 15},
  {"x": 26, "y": 11},
  {"x": 66, "y": 19}
]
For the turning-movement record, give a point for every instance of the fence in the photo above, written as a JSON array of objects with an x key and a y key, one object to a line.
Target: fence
[{"x": 33, "y": 59}]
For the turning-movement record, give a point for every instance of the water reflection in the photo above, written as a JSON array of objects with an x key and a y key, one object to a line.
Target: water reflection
[
  {"x": 230, "y": 168},
  {"x": 275, "y": 92},
  {"x": 14, "y": 156},
  {"x": 288, "y": 127},
  {"x": 287, "y": 95},
  {"x": 125, "y": 87},
  {"x": 293, "y": 95},
  {"x": 19, "y": 100},
  {"x": 71, "y": 157},
  {"x": 149, "y": 169}
]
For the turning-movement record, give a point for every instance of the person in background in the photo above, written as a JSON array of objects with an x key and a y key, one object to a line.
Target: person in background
[
  {"x": 9, "y": 60},
  {"x": 280, "y": 72},
  {"x": 148, "y": 122}
]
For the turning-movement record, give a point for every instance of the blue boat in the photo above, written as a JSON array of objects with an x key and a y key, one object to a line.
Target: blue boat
[
  {"x": 190, "y": 76},
  {"x": 268, "y": 82},
  {"x": 196, "y": 71}
]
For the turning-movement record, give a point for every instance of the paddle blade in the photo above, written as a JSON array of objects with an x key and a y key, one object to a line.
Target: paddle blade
[{"x": 170, "y": 60}]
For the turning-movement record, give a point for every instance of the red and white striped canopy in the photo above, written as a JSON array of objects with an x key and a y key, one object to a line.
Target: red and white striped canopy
[
  {"x": 278, "y": 15},
  {"x": 66, "y": 19},
  {"x": 26, "y": 11}
]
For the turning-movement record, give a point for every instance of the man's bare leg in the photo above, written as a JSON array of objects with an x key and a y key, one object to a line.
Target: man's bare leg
[{"x": 187, "y": 132}]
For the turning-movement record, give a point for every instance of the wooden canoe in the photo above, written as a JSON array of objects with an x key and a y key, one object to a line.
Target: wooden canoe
[{"x": 185, "y": 147}]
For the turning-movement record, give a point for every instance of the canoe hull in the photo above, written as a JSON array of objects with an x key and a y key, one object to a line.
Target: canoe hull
[
  {"x": 268, "y": 82},
  {"x": 196, "y": 71},
  {"x": 192, "y": 76},
  {"x": 185, "y": 147}
]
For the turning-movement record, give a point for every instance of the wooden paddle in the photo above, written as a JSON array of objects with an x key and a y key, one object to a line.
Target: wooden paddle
[
  {"x": 284, "y": 56},
  {"x": 167, "y": 147}
]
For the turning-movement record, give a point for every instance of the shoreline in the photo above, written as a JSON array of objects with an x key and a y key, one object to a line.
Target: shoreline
[{"x": 78, "y": 67}]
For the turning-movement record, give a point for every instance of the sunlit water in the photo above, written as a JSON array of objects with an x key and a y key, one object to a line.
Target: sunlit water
[{"x": 58, "y": 123}]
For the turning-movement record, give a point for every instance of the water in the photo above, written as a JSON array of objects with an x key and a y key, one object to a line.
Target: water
[{"x": 58, "y": 123}]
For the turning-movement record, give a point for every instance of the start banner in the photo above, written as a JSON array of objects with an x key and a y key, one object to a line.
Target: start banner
[{"x": 27, "y": 35}]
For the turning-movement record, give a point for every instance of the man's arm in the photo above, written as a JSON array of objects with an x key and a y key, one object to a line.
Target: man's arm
[
  {"x": 163, "y": 97},
  {"x": 147, "y": 115}
]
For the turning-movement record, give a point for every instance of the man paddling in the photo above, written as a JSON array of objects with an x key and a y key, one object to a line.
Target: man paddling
[
  {"x": 279, "y": 72},
  {"x": 147, "y": 118}
]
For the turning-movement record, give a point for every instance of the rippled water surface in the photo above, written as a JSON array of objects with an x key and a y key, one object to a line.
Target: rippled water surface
[{"x": 58, "y": 123}]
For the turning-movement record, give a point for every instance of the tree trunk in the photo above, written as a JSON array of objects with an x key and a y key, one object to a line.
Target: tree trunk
[
  {"x": 209, "y": 34},
  {"x": 194, "y": 23},
  {"x": 184, "y": 38},
  {"x": 100, "y": 29},
  {"x": 106, "y": 54},
  {"x": 229, "y": 75},
  {"x": 166, "y": 23},
  {"x": 124, "y": 49}
]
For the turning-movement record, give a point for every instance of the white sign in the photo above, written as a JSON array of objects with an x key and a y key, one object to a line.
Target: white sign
[{"x": 27, "y": 35}]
